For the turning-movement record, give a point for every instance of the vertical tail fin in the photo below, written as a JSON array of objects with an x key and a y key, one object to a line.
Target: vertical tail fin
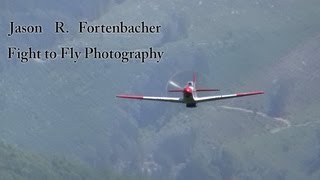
[{"x": 194, "y": 79}]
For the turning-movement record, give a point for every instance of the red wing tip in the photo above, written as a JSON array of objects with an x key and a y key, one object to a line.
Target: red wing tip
[
  {"x": 129, "y": 96},
  {"x": 250, "y": 93}
]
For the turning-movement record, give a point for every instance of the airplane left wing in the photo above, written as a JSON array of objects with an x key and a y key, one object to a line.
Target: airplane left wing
[
  {"x": 152, "y": 98},
  {"x": 227, "y": 96}
]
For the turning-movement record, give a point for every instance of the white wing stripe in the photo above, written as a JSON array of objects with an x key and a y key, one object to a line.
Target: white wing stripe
[
  {"x": 214, "y": 98},
  {"x": 171, "y": 99}
]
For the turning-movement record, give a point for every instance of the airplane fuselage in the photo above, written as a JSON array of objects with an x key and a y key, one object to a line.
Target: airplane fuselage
[{"x": 188, "y": 96}]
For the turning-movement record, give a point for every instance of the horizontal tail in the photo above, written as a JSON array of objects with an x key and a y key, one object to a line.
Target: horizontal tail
[
  {"x": 197, "y": 90},
  {"x": 206, "y": 89},
  {"x": 175, "y": 90}
]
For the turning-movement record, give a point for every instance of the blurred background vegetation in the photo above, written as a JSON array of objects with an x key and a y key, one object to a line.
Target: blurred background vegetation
[{"x": 61, "y": 120}]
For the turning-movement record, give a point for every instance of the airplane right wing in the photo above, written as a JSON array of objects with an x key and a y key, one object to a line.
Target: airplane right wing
[
  {"x": 152, "y": 98},
  {"x": 227, "y": 96}
]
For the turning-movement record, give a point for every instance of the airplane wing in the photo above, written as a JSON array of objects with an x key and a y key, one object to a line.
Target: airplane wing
[
  {"x": 153, "y": 98},
  {"x": 227, "y": 96}
]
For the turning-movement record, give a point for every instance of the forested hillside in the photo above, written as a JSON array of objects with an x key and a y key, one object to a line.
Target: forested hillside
[{"x": 69, "y": 109}]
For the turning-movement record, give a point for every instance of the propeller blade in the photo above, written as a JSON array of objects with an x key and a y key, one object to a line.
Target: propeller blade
[{"x": 175, "y": 84}]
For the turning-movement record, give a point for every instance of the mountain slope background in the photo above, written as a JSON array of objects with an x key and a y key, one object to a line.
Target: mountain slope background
[{"x": 66, "y": 108}]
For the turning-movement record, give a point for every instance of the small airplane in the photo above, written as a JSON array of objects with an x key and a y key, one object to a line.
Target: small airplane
[{"x": 190, "y": 97}]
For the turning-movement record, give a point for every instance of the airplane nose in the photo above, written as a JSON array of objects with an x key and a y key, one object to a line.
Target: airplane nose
[{"x": 187, "y": 91}]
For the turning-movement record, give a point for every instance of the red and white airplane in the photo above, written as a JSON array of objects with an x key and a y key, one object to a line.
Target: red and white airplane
[{"x": 190, "y": 97}]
